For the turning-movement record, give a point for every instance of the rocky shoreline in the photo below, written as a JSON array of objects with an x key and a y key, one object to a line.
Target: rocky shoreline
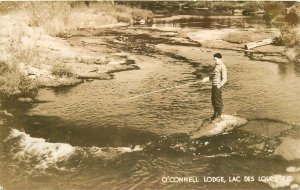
[{"x": 96, "y": 53}]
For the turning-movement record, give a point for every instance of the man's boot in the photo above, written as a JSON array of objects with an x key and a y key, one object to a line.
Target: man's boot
[
  {"x": 219, "y": 113},
  {"x": 213, "y": 117}
]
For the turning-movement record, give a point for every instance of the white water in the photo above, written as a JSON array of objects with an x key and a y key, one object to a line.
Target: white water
[
  {"x": 226, "y": 124},
  {"x": 27, "y": 148},
  {"x": 229, "y": 122},
  {"x": 46, "y": 153}
]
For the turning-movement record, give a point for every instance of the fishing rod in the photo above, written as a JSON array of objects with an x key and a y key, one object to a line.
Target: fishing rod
[{"x": 165, "y": 89}]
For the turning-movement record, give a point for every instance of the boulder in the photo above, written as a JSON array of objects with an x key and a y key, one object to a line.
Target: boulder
[
  {"x": 266, "y": 127},
  {"x": 289, "y": 149}
]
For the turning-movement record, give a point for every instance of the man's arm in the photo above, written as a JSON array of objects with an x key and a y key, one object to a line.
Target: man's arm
[{"x": 224, "y": 76}]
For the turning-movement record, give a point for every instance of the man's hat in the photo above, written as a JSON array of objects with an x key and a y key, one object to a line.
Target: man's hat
[{"x": 218, "y": 55}]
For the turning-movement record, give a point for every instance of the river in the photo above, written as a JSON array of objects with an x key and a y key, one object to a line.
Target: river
[{"x": 93, "y": 136}]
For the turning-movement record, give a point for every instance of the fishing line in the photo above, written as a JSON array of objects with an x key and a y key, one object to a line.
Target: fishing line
[{"x": 160, "y": 90}]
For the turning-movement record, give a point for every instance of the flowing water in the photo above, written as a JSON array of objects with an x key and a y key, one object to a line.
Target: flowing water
[{"x": 84, "y": 137}]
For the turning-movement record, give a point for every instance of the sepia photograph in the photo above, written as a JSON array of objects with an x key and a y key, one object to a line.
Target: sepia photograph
[{"x": 146, "y": 95}]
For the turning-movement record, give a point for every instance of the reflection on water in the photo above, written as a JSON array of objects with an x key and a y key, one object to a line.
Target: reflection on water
[
  {"x": 282, "y": 69},
  {"x": 297, "y": 69},
  {"x": 285, "y": 70},
  {"x": 210, "y": 22}
]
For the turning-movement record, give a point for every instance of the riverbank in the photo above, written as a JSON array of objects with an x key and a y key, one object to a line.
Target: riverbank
[
  {"x": 34, "y": 43},
  {"x": 232, "y": 35},
  {"x": 97, "y": 44}
]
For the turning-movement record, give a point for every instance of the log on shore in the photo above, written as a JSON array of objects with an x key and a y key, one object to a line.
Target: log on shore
[{"x": 255, "y": 44}]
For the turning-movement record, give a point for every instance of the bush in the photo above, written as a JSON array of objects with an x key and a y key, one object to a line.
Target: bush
[
  {"x": 122, "y": 17},
  {"x": 27, "y": 86},
  {"x": 273, "y": 10},
  {"x": 4, "y": 68},
  {"x": 292, "y": 18},
  {"x": 289, "y": 36},
  {"x": 13, "y": 82},
  {"x": 61, "y": 70},
  {"x": 279, "y": 41},
  {"x": 138, "y": 14}
]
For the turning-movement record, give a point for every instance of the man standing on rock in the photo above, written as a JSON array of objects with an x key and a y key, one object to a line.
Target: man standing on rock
[{"x": 218, "y": 78}]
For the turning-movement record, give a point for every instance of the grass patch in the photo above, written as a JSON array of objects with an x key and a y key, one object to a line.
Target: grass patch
[
  {"x": 52, "y": 16},
  {"x": 121, "y": 13},
  {"x": 61, "y": 70},
  {"x": 59, "y": 17},
  {"x": 21, "y": 54}
]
